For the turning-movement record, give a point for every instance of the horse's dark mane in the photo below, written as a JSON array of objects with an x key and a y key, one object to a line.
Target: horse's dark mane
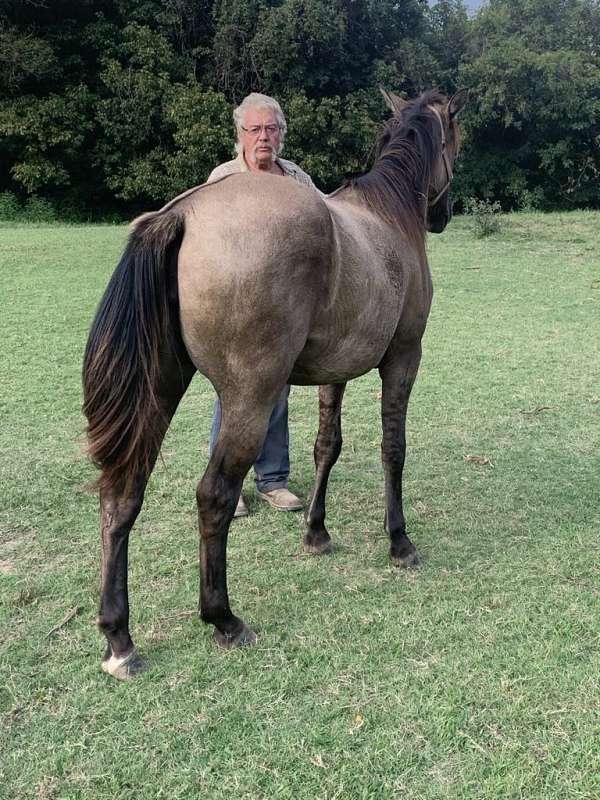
[{"x": 396, "y": 186}]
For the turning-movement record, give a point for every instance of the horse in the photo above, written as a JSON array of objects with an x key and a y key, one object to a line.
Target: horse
[{"x": 258, "y": 282}]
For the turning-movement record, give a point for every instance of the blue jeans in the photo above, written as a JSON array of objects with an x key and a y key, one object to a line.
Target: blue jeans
[{"x": 272, "y": 467}]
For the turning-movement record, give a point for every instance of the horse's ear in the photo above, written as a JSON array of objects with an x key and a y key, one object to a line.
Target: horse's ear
[
  {"x": 394, "y": 103},
  {"x": 457, "y": 102}
]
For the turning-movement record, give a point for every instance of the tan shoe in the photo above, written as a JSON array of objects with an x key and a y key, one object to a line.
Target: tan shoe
[
  {"x": 241, "y": 510},
  {"x": 281, "y": 499}
]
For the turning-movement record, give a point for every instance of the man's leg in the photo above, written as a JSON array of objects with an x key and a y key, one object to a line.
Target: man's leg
[{"x": 272, "y": 466}]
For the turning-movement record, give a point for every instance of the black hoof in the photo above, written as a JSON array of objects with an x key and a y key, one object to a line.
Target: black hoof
[
  {"x": 318, "y": 547},
  {"x": 227, "y": 641},
  {"x": 405, "y": 557}
]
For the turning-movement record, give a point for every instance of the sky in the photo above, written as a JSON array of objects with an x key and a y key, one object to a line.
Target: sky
[{"x": 472, "y": 5}]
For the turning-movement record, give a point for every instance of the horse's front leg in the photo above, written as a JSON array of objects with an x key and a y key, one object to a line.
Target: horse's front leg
[
  {"x": 398, "y": 372},
  {"x": 327, "y": 449}
]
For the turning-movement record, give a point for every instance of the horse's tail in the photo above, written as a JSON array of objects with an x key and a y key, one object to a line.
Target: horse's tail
[{"x": 122, "y": 359}]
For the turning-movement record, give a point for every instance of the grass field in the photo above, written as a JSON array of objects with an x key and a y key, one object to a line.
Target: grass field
[{"x": 473, "y": 677}]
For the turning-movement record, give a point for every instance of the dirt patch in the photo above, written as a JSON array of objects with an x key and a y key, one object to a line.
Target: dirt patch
[
  {"x": 15, "y": 532},
  {"x": 13, "y": 539}
]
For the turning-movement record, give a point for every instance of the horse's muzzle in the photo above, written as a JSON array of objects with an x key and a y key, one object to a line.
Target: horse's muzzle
[{"x": 438, "y": 216}]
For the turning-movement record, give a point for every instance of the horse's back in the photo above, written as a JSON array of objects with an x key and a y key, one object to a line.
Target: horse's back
[{"x": 244, "y": 211}]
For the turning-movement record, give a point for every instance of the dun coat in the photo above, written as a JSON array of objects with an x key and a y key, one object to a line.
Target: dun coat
[{"x": 257, "y": 281}]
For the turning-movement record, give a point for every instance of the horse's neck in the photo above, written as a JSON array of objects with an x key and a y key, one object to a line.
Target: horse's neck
[
  {"x": 381, "y": 229},
  {"x": 367, "y": 247}
]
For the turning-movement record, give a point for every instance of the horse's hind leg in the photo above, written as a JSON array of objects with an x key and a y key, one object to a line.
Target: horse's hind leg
[
  {"x": 118, "y": 512},
  {"x": 327, "y": 449},
  {"x": 398, "y": 372},
  {"x": 240, "y": 439},
  {"x": 119, "y": 508}
]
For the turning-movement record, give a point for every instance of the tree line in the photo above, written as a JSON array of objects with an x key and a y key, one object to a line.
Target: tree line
[{"x": 109, "y": 107}]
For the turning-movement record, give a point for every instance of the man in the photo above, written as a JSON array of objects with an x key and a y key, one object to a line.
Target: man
[{"x": 261, "y": 129}]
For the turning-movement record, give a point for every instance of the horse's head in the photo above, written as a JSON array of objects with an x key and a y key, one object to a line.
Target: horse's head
[{"x": 430, "y": 121}]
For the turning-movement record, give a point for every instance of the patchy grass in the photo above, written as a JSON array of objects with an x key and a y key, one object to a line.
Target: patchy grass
[{"x": 475, "y": 677}]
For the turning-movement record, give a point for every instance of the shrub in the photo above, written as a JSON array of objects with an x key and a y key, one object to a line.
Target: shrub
[
  {"x": 10, "y": 208},
  {"x": 530, "y": 199},
  {"x": 37, "y": 209},
  {"x": 486, "y": 216}
]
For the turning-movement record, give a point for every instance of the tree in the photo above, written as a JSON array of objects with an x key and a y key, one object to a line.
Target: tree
[
  {"x": 332, "y": 137},
  {"x": 447, "y": 38},
  {"x": 115, "y": 105},
  {"x": 534, "y": 125},
  {"x": 235, "y": 70}
]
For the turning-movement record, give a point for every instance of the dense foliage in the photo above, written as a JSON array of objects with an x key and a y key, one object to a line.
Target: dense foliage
[{"x": 112, "y": 106}]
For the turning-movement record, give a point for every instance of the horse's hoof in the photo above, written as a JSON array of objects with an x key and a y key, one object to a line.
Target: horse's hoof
[
  {"x": 227, "y": 641},
  {"x": 407, "y": 560},
  {"x": 125, "y": 667},
  {"x": 321, "y": 547}
]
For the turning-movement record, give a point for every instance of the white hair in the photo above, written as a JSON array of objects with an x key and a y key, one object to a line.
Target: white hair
[{"x": 263, "y": 102}]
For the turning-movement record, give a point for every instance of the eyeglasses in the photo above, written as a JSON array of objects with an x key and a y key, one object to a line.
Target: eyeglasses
[{"x": 270, "y": 130}]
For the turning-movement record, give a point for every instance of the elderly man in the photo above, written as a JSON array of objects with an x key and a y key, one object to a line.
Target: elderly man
[{"x": 261, "y": 129}]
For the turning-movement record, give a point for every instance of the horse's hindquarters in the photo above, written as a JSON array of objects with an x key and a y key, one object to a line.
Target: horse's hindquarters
[{"x": 252, "y": 271}]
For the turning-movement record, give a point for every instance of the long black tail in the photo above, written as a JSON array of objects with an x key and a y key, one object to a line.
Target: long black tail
[{"x": 121, "y": 368}]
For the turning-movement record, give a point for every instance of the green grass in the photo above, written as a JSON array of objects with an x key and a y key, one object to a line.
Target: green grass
[{"x": 474, "y": 677}]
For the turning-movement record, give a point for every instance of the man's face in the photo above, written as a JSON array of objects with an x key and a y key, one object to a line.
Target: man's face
[{"x": 260, "y": 146}]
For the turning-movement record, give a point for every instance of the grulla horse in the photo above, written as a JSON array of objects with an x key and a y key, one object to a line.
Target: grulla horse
[{"x": 257, "y": 282}]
